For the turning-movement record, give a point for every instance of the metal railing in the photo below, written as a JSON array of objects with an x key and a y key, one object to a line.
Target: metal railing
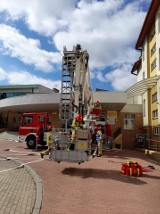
[{"x": 153, "y": 144}]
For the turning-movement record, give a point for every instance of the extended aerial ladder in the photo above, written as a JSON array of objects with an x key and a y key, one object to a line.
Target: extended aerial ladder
[
  {"x": 76, "y": 90},
  {"x": 76, "y": 98}
]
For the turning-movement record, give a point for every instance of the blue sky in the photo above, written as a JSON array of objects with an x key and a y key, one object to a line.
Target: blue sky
[{"x": 34, "y": 32}]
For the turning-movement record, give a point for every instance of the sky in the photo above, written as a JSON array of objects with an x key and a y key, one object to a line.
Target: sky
[{"x": 33, "y": 34}]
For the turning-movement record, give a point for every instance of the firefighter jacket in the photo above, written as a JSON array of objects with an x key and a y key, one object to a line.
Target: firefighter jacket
[
  {"x": 99, "y": 136},
  {"x": 49, "y": 139},
  {"x": 77, "y": 124}
]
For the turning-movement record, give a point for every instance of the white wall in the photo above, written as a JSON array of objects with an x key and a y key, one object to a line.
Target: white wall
[{"x": 135, "y": 100}]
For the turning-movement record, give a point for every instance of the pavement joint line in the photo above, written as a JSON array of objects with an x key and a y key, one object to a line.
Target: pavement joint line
[
  {"x": 22, "y": 152},
  {"x": 37, "y": 181},
  {"x": 16, "y": 154},
  {"x": 16, "y": 151}
]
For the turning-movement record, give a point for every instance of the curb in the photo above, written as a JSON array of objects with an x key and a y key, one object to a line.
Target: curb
[
  {"x": 153, "y": 154},
  {"x": 39, "y": 187}
]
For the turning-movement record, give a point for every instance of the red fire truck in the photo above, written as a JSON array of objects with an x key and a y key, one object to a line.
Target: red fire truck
[{"x": 32, "y": 128}]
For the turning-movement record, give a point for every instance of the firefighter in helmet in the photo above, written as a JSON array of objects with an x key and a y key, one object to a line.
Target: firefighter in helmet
[
  {"x": 76, "y": 124},
  {"x": 99, "y": 141},
  {"x": 50, "y": 142}
]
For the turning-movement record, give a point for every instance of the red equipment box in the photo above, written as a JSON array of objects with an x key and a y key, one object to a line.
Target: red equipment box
[{"x": 131, "y": 168}]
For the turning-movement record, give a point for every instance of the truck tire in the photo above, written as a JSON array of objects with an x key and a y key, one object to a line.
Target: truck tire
[{"x": 31, "y": 142}]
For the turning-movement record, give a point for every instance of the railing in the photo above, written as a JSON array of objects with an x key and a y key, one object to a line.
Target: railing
[
  {"x": 117, "y": 133},
  {"x": 141, "y": 141},
  {"x": 153, "y": 144}
]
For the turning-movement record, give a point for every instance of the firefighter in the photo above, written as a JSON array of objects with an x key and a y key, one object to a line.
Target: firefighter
[
  {"x": 50, "y": 142},
  {"x": 99, "y": 139},
  {"x": 76, "y": 124},
  {"x": 97, "y": 104}
]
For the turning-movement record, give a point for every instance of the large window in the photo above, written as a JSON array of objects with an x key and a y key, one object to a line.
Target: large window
[
  {"x": 143, "y": 75},
  {"x": 144, "y": 107},
  {"x": 155, "y": 114},
  {"x": 27, "y": 120},
  {"x": 143, "y": 53},
  {"x": 41, "y": 118},
  {"x": 129, "y": 121},
  {"x": 156, "y": 130},
  {"x": 7, "y": 95},
  {"x": 153, "y": 49},
  {"x": 153, "y": 65},
  {"x": 154, "y": 97}
]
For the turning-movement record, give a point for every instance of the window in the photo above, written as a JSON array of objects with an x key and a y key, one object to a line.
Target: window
[
  {"x": 143, "y": 54},
  {"x": 156, "y": 130},
  {"x": 41, "y": 118},
  {"x": 158, "y": 23},
  {"x": 155, "y": 114},
  {"x": 143, "y": 75},
  {"x": 154, "y": 97},
  {"x": 153, "y": 49},
  {"x": 129, "y": 121},
  {"x": 27, "y": 120},
  {"x": 8, "y": 95},
  {"x": 144, "y": 107},
  {"x": 153, "y": 65}
]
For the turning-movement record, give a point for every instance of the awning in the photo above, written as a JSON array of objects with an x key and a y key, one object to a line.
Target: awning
[{"x": 142, "y": 86}]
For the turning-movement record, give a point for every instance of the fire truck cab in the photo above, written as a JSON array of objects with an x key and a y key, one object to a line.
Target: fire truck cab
[{"x": 32, "y": 129}]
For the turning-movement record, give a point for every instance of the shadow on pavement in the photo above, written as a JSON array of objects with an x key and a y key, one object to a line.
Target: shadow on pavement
[{"x": 106, "y": 174}]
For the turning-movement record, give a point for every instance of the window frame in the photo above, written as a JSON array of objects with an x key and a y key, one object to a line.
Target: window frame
[{"x": 129, "y": 122}]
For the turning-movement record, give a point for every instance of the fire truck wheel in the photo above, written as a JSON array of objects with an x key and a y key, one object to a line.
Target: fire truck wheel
[{"x": 31, "y": 142}]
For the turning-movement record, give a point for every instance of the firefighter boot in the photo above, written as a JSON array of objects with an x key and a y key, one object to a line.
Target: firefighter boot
[{"x": 42, "y": 155}]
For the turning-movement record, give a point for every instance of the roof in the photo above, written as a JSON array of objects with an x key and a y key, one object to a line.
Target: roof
[
  {"x": 149, "y": 20},
  {"x": 142, "y": 86},
  {"x": 18, "y": 86}
]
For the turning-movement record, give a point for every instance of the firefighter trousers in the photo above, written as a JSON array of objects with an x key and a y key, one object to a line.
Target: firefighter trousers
[{"x": 99, "y": 148}]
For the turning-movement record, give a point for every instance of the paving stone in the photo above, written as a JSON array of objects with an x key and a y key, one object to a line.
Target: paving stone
[{"x": 16, "y": 188}]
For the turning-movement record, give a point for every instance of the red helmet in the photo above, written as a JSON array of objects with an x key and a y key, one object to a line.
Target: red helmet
[
  {"x": 50, "y": 128},
  {"x": 79, "y": 117},
  {"x": 97, "y": 128}
]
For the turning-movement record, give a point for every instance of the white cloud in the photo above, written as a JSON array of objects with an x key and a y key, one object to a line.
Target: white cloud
[
  {"x": 121, "y": 78},
  {"x": 3, "y": 74},
  {"x": 100, "y": 77},
  {"x": 45, "y": 17},
  {"x": 107, "y": 29},
  {"x": 24, "y": 77},
  {"x": 25, "y": 49}
]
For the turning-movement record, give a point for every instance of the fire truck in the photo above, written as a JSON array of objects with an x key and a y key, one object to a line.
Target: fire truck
[
  {"x": 76, "y": 98},
  {"x": 33, "y": 128}
]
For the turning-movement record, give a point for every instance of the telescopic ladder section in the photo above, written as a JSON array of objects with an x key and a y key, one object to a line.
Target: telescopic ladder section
[{"x": 68, "y": 66}]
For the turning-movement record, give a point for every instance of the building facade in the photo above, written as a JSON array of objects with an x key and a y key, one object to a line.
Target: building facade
[
  {"x": 126, "y": 119},
  {"x": 147, "y": 68}
]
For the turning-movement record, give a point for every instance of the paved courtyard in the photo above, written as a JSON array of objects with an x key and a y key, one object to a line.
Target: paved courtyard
[{"x": 93, "y": 187}]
